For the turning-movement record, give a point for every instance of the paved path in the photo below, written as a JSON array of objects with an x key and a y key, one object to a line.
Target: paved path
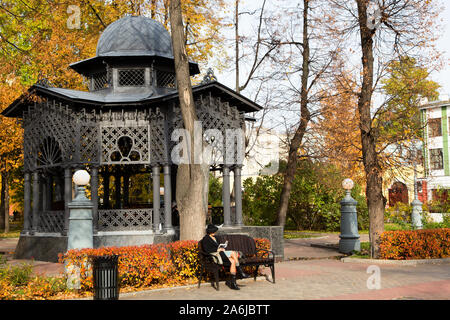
[
  {"x": 322, "y": 279},
  {"x": 7, "y": 247},
  {"x": 301, "y": 249},
  {"x": 307, "y": 273}
]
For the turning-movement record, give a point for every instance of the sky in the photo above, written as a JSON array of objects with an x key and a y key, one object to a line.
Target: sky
[
  {"x": 443, "y": 44},
  {"x": 443, "y": 76}
]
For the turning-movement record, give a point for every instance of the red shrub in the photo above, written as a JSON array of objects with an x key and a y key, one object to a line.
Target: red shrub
[
  {"x": 417, "y": 244},
  {"x": 147, "y": 265}
]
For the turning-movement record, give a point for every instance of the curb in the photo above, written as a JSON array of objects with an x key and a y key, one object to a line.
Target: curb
[
  {"x": 329, "y": 246},
  {"x": 398, "y": 262},
  {"x": 221, "y": 284},
  {"x": 313, "y": 258}
]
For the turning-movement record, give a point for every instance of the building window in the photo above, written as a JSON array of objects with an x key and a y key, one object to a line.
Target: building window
[
  {"x": 436, "y": 159},
  {"x": 100, "y": 81},
  {"x": 434, "y": 126},
  {"x": 132, "y": 77},
  {"x": 165, "y": 79}
]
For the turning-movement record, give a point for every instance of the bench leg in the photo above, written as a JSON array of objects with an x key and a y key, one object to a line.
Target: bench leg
[
  {"x": 272, "y": 268},
  {"x": 201, "y": 271},
  {"x": 255, "y": 274}
]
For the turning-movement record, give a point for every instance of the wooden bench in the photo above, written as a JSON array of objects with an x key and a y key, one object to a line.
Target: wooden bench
[{"x": 252, "y": 256}]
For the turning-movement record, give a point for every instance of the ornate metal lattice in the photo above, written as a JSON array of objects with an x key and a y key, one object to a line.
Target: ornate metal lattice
[
  {"x": 215, "y": 114},
  {"x": 51, "y": 221},
  {"x": 125, "y": 219},
  {"x": 49, "y": 153},
  {"x": 89, "y": 143},
  {"x": 158, "y": 137},
  {"x": 132, "y": 77},
  {"x": 125, "y": 144},
  {"x": 165, "y": 79},
  {"x": 49, "y": 135},
  {"x": 100, "y": 81}
]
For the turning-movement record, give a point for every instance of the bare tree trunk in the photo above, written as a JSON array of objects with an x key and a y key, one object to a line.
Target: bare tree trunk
[
  {"x": 300, "y": 132},
  {"x": 190, "y": 176},
  {"x": 368, "y": 140}
]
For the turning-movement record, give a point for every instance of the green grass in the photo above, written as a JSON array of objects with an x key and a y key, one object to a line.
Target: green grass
[
  {"x": 300, "y": 234},
  {"x": 14, "y": 230},
  {"x": 364, "y": 253}
]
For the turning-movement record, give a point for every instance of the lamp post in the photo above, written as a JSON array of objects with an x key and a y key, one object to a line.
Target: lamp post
[
  {"x": 80, "y": 219},
  {"x": 349, "y": 237},
  {"x": 416, "y": 214}
]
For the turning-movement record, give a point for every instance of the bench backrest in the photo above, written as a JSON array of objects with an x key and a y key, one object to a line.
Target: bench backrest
[{"x": 238, "y": 242}]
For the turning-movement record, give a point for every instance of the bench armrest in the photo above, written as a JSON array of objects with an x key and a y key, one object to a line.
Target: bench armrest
[{"x": 268, "y": 253}]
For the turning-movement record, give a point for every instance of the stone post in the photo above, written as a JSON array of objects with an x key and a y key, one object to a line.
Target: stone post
[
  {"x": 416, "y": 214},
  {"x": 349, "y": 237},
  {"x": 80, "y": 221}
]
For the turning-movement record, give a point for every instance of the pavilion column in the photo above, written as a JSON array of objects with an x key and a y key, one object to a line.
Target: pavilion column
[
  {"x": 156, "y": 199},
  {"x": 94, "y": 198},
  {"x": 168, "y": 200},
  {"x": 67, "y": 197},
  {"x": 27, "y": 203},
  {"x": 238, "y": 195},
  {"x": 226, "y": 196},
  {"x": 35, "y": 202}
]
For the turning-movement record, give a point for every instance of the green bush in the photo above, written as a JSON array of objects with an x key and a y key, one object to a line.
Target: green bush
[
  {"x": 400, "y": 214},
  {"x": 314, "y": 202}
]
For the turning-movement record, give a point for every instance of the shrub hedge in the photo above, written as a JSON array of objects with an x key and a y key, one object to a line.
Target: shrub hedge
[
  {"x": 417, "y": 244},
  {"x": 164, "y": 264}
]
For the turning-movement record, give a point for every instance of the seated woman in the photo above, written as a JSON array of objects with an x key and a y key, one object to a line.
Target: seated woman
[{"x": 229, "y": 258}]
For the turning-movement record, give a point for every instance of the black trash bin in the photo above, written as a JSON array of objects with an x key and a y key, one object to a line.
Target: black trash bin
[{"x": 105, "y": 271}]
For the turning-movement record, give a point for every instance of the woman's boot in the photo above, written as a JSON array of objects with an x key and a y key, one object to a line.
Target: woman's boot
[
  {"x": 241, "y": 273},
  {"x": 232, "y": 284}
]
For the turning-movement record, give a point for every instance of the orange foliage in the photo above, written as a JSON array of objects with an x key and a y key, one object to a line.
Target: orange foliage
[
  {"x": 162, "y": 264},
  {"x": 417, "y": 244}
]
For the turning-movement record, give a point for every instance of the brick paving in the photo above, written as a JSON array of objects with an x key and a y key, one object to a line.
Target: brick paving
[
  {"x": 308, "y": 273},
  {"x": 322, "y": 279}
]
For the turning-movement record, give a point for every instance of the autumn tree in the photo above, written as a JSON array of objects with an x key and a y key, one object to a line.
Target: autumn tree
[
  {"x": 191, "y": 175},
  {"x": 397, "y": 120},
  {"x": 39, "y": 39},
  {"x": 307, "y": 57},
  {"x": 337, "y": 126},
  {"x": 385, "y": 31}
]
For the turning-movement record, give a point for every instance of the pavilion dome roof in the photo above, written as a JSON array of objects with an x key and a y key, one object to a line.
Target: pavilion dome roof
[{"x": 135, "y": 36}]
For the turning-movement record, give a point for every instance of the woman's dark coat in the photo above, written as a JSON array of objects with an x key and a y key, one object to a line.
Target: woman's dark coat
[{"x": 210, "y": 246}]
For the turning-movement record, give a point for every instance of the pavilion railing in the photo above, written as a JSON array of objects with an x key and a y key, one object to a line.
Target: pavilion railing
[
  {"x": 125, "y": 219},
  {"x": 51, "y": 221}
]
